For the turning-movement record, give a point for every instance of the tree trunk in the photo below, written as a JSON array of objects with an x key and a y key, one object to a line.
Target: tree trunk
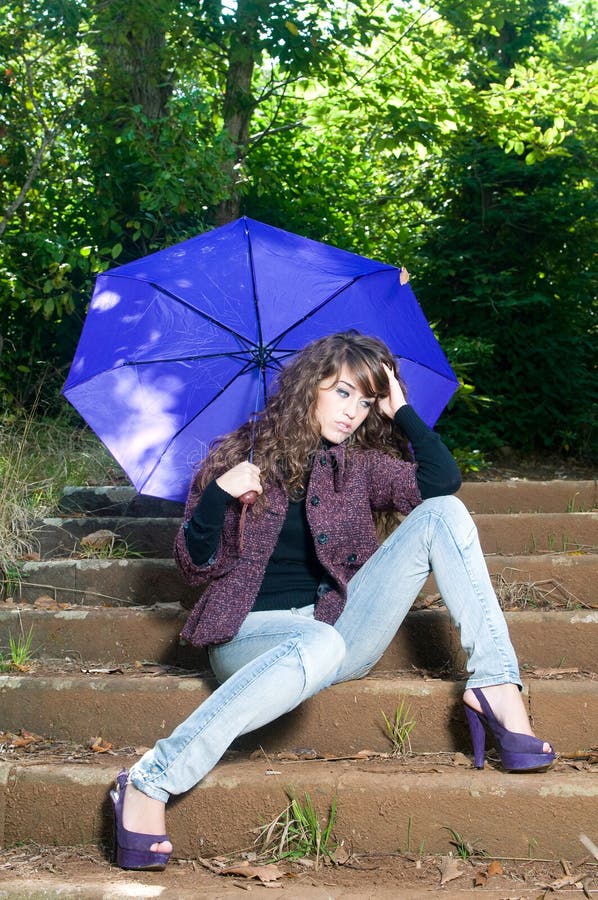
[
  {"x": 132, "y": 54},
  {"x": 239, "y": 102}
]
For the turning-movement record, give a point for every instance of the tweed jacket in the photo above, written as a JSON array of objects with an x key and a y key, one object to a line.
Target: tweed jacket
[{"x": 344, "y": 487}]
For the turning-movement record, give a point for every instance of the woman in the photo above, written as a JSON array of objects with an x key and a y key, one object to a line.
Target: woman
[{"x": 300, "y": 595}]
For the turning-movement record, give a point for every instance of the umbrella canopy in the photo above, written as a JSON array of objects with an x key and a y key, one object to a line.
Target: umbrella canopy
[{"x": 179, "y": 347}]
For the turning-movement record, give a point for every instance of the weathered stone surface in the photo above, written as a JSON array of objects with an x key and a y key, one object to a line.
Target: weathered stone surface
[
  {"x": 136, "y": 710},
  {"x": 519, "y": 495},
  {"x": 112, "y": 582},
  {"x": 132, "y": 610},
  {"x": 116, "y": 500},
  {"x": 513, "y": 495},
  {"x": 426, "y": 639},
  {"x": 380, "y": 806},
  {"x": 517, "y": 533}
]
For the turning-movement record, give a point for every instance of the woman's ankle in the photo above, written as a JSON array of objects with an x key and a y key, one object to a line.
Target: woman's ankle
[
  {"x": 142, "y": 813},
  {"x": 506, "y": 702}
]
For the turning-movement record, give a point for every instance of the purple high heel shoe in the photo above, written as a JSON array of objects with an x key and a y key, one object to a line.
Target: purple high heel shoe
[
  {"x": 132, "y": 848},
  {"x": 518, "y": 752}
]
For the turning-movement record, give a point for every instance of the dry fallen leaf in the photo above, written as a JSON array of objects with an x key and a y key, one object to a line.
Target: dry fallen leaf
[
  {"x": 481, "y": 878},
  {"x": 459, "y": 759},
  {"x": 24, "y": 739},
  {"x": 449, "y": 869},
  {"x": 495, "y": 868},
  {"x": 99, "y": 745},
  {"x": 100, "y": 540},
  {"x": 264, "y": 874},
  {"x": 565, "y": 881},
  {"x": 45, "y": 602},
  {"x": 341, "y": 855}
]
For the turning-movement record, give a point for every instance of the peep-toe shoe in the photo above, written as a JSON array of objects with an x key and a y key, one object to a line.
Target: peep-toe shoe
[
  {"x": 518, "y": 752},
  {"x": 132, "y": 848}
]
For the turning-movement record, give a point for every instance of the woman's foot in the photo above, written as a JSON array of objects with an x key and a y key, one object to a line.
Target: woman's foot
[
  {"x": 145, "y": 815},
  {"x": 508, "y": 707}
]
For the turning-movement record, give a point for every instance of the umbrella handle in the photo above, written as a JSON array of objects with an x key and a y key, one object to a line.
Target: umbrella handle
[{"x": 246, "y": 499}]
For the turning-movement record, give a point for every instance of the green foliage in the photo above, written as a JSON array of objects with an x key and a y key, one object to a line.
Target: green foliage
[
  {"x": 456, "y": 140},
  {"x": 38, "y": 457}
]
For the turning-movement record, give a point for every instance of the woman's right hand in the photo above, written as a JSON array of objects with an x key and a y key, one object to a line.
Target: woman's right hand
[{"x": 240, "y": 479}]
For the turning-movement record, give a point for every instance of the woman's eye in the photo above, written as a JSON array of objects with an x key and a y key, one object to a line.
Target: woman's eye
[
  {"x": 367, "y": 403},
  {"x": 342, "y": 392}
]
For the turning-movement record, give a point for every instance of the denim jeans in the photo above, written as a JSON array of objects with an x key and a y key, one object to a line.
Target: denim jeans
[{"x": 280, "y": 658}]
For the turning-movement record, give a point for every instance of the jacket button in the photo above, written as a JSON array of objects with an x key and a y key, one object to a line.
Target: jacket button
[
  {"x": 323, "y": 461},
  {"x": 315, "y": 501},
  {"x": 322, "y": 538},
  {"x": 352, "y": 557}
]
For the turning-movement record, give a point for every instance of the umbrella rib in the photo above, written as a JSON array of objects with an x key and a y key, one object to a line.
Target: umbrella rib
[
  {"x": 328, "y": 299},
  {"x": 222, "y": 390},
  {"x": 190, "y": 306},
  {"x": 254, "y": 284},
  {"x": 422, "y": 365},
  {"x": 236, "y": 354}
]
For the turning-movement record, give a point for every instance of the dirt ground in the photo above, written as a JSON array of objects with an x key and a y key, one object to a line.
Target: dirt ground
[
  {"x": 506, "y": 463},
  {"x": 32, "y": 871}
]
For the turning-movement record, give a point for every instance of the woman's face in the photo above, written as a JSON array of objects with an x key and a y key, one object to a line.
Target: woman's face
[{"x": 341, "y": 408}]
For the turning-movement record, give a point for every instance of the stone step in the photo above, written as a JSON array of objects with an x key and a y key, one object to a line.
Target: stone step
[
  {"x": 503, "y": 533},
  {"x": 113, "y": 636},
  {"x": 150, "y": 581},
  {"x": 381, "y": 806},
  {"x": 122, "y": 500},
  {"x": 519, "y": 495},
  {"x": 134, "y": 710},
  {"x": 514, "y": 495}
]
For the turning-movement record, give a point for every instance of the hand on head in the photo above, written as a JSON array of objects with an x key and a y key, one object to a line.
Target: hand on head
[{"x": 395, "y": 399}]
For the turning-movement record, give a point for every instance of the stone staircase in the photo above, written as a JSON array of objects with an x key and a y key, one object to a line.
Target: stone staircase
[{"x": 109, "y": 664}]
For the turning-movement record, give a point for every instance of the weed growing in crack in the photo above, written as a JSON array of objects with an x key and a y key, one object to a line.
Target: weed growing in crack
[
  {"x": 297, "y": 832},
  {"x": 398, "y": 729},
  {"x": 20, "y": 652},
  {"x": 465, "y": 849}
]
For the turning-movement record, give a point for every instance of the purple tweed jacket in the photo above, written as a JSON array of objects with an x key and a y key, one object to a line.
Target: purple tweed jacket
[{"x": 345, "y": 486}]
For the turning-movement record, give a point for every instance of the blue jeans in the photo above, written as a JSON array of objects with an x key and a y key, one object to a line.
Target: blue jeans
[{"x": 280, "y": 658}]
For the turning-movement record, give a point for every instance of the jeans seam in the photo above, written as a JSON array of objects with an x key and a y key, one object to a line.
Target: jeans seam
[
  {"x": 480, "y": 594},
  {"x": 230, "y": 698}
]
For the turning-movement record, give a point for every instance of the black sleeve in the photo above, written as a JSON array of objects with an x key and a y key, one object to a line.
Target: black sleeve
[
  {"x": 437, "y": 472},
  {"x": 202, "y": 531}
]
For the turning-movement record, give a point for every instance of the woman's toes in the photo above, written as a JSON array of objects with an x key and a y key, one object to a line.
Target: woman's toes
[{"x": 163, "y": 847}]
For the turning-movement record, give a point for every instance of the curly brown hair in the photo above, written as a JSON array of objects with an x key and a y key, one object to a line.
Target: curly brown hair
[{"x": 286, "y": 434}]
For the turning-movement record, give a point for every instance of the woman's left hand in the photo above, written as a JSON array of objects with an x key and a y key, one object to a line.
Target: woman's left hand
[{"x": 396, "y": 398}]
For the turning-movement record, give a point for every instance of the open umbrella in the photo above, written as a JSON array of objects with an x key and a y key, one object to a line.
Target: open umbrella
[{"x": 179, "y": 347}]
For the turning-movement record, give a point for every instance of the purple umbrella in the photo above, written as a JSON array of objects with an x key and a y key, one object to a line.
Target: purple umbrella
[{"x": 179, "y": 347}]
